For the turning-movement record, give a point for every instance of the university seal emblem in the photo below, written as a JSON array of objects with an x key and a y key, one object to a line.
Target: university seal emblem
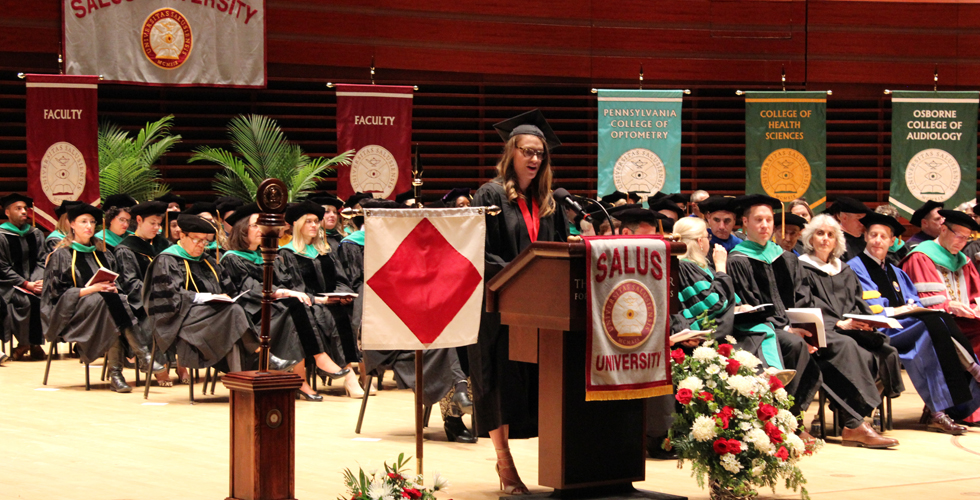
[
  {"x": 166, "y": 38},
  {"x": 62, "y": 172},
  {"x": 640, "y": 170},
  {"x": 628, "y": 314},
  {"x": 785, "y": 174},
  {"x": 933, "y": 174},
  {"x": 374, "y": 170}
]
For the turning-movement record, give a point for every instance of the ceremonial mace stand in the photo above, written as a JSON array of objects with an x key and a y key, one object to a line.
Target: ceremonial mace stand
[{"x": 263, "y": 423}]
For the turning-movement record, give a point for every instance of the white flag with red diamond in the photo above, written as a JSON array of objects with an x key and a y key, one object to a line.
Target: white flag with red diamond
[{"x": 423, "y": 277}]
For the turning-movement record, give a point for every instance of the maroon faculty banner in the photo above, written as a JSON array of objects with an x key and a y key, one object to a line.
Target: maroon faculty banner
[
  {"x": 376, "y": 122},
  {"x": 62, "y": 142}
]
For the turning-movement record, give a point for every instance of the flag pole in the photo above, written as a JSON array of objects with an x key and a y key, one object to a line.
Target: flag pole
[
  {"x": 103, "y": 232},
  {"x": 783, "y": 210},
  {"x": 419, "y": 412}
]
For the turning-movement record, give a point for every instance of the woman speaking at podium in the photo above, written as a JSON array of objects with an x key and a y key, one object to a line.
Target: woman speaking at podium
[{"x": 506, "y": 391}]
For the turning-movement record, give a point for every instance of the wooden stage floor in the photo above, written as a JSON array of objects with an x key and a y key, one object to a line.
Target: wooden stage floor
[{"x": 61, "y": 442}]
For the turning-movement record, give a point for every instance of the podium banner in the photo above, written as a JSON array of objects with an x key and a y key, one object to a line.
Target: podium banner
[
  {"x": 423, "y": 277},
  {"x": 639, "y": 141},
  {"x": 163, "y": 42},
  {"x": 62, "y": 142},
  {"x": 627, "y": 332},
  {"x": 934, "y": 149},
  {"x": 376, "y": 122},
  {"x": 786, "y": 146}
]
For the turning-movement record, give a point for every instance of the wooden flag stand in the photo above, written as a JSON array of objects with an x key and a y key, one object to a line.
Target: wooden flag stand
[{"x": 263, "y": 423}]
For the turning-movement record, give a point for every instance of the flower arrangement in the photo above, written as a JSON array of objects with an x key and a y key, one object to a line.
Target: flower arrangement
[
  {"x": 734, "y": 424},
  {"x": 392, "y": 484}
]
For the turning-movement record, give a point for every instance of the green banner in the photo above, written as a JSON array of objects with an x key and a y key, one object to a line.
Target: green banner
[
  {"x": 934, "y": 149},
  {"x": 639, "y": 141},
  {"x": 786, "y": 146}
]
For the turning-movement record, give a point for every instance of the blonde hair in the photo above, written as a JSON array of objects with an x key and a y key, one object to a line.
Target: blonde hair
[
  {"x": 318, "y": 243},
  {"x": 689, "y": 230},
  {"x": 540, "y": 187}
]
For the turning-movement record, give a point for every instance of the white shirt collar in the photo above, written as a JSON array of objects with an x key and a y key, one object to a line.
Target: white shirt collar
[{"x": 832, "y": 268}]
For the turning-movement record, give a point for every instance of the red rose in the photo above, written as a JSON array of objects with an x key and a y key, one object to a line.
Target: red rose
[
  {"x": 684, "y": 396},
  {"x": 734, "y": 446},
  {"x": 732, "y": 367},
  {"x": 677, "y": 356},
  {"x": 394, "y": 476},
  {"x": 782, "y": 453},
  {"x": 721, "y": 446},
  {"x": 775, "y": 435},
  {"x": 707, "y": 396},
  {"x": 725, "y": 350},
  {"x": 411, "y": 493},
  {"x": 774, "y": 383},
  {"x": 765, "y": 412},
  {"x": 724, "y": 415}
]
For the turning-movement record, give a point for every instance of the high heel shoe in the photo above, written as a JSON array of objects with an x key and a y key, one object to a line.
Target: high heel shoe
[
  {"x": 308, "y": 397},
  {"x": 323, "y": 374},
  {"x": 509, "y": 485},
  {"x": 353, "y": 388}
]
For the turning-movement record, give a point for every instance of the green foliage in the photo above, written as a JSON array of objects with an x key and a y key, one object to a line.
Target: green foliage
[
  {"x": 126, "y": 164},
  {"x": 260, "y": 151},
  {"x": 393, "y": 483}
]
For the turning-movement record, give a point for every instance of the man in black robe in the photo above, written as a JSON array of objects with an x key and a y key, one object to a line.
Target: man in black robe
[
  {"x": 929, "y": 222},
  {"x": 21, "y": 266},
  {"x": 849, "y": 213}
]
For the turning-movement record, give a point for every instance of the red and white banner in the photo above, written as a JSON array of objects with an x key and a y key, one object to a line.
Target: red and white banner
[
  {"x": 62, "y": 142},
  {"x": 627, "y": 305},
  {"x": 376, "y": 122},
  {"x": 167, "y": 42},
  {"x": 423, "y": 277}
]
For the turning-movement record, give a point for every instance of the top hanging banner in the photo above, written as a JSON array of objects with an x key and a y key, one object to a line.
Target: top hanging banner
[{"x": 218, "y": 43}]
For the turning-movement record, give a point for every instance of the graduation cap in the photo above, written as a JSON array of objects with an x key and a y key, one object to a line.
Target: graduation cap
[
  {"x": 227, "y": 204},
  {"x": 326, "y": 199},
  {"x": 80, "y": 209},
  {"x": 194, "y": 224},
  {"x": 379, "y": 203},
  {"x": 118, "y": 201},
  {"x": 960, "y": 219},
  {"x": 745, "y": 202},
  {"x": 12, "y": 198},
  {"x": 792, "y": 220},
  {"x": 296, "y": 210},
  {"x": 243, "y": 212},
  {"x": 657, "y": 196},
  {"x": 202, "y": 207},
  {"x": 65, "y": 206},
  {"x": 613, "y": 197},
  {"x": 717, "y": 203},
  {"x": 172, "y": 198},
  {"x": 148, "y": 208},
  {"x": 924, "y": 210},
  {"x": 405, "y": 197},
  {"x": 848, "y": 205},
  {"x": 355, "y": 199},
  {"x": 666, "y": 203},
  {"x": 636, "y": 213},
  {"x": 884, "y": 220},
  {"x": 636, "y": 196},
  {"x": 454, "y": 194},
  {"x": 532, "y": 123},
  {"x": 679, "y": 197}
]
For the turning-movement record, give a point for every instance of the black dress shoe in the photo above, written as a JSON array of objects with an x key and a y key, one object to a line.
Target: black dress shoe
[
  {"x": 4, "y": 358},
  {"x": 456, "y": 431},
  {"x": 117, "y": 383},
  {"x": 282, "y": 365},
  {"x": 308, "y": 397},
  {"x": 324, "y": 375},
  {"x": 463, "y": 401}
]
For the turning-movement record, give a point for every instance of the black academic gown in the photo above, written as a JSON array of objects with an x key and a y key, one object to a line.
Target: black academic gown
[
  {"x": 50, "y": 243},
  {"x": 95, "y": 321},
  {"x": 718, "y": 300},
  {"x": 852, "y": 359},
  {"x": 203, "y": 334},
  {"x": 779, "y": 284},
  {"x": 333, "y": 240},
  {"x": 505, "y": 391},
  {"x": 288, "y": 320},
  {"x": 350, "y": 255},
  {"x": 855, "y": 246},
  {"x": 971, "y": 250},
  {"x": 21, "y": 259},
  {"x": 133, "y": 258},
  {"x": 321, "y": 274}
]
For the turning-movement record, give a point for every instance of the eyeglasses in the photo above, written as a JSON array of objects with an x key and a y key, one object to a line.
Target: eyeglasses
[
  {"x": 531, "y": 153},
  {"x": 198, "y": 241}
]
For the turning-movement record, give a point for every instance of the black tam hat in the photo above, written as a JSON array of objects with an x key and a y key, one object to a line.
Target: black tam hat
[
  {"x": 960, "y": 219},
  {"x": 848, "y": 205},
  {"x": 76, "y": 211},
  {"x": 405, "y": 197},
  {"x": 666, "y": 203},
  {"x": 67, "y": 205},
  {"x": 613, "y": 197},
  {"x": 202, "y": 207},
  {"x": 924, "y": 210},
  {"x": 227, "y": 204},
  {"x": 792, "y": 220},
  {"x": 355, "y": 199},
  {"x": 717, "y": 203},
  {"x": 531, "y": 123},
  {"x": 296, "y": 210},
  {"x": 450, "y": 198},
  {"x": 172, "y": 198},
  {"x": 12, "y": 198},
  {"x": 745, "y": 202},
  {"x": 243, "y": 212},
  {"x": 884, "y": 220},
  {"x": 118, "y": 201},
  {"x": 148, "y": 208},
  {"x": 194, "y": 224},
  {"x": 636, "y": 213},
  {"x": 326, "y": 199}
]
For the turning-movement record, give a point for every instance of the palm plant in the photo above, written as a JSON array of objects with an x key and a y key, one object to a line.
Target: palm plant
[
  {"x": 260, "y": 151},
  {"x": 126, "y": 164}
]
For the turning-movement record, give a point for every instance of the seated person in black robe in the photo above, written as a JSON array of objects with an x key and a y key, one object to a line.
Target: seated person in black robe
[
  {"x": 187, "y": 298},
  {"x": 331, "y": 228},
  {"x": 856, "y": 353},
  {"x": 117, "y": 218},
  {"x": 61, "y": 227},
  {"x": 22, "y": 258},
  {"x": 226, "y": 206},
  {"x": 849, "y": 212},
  {"x": 294, "y": 330},
  {"x": 94, "y": 316},
  {"x": 209, "y": 212},
  {"x": 133, "y": 257}
]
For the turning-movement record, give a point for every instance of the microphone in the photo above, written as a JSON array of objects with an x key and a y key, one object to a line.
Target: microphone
[{"x": 564, "y": 197}]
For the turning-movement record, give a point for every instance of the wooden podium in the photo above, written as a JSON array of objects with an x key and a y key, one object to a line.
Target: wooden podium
[{"x": 585, "y": 449}]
